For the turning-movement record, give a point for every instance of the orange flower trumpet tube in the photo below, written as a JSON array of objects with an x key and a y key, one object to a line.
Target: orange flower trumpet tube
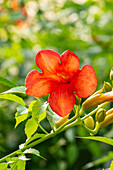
[
  {"x": 61, "y": 77},
  {"x": 108, "y": 119},
  {"x": 97, "y": 99}
]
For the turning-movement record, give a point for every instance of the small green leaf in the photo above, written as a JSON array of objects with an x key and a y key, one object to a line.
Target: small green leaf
[
  {"x": 12, "y": 97},
  {"x": 34, "y": 152},
  {"x": 52, "y": 118},
  {"x": 41, "y": 109},
  {"x": 20, "y": 119},
  {"x": 100, "y": 139},
  {"x": 6, "y": 82},
  {"x": 35, "y": 136},
  {"x": 21, "y": 114},
  {"x": 30, "y": 127},
  {"x": 37, "y": 107},
  {"x": 3, "y": 166},
  {"x": 11, "y": 159},
  {"x": 111, "y": 166},
  {"x": 21, "y": 164},
  {"x": 21, "y": 110},
  {"x": 19, "y": 89},
  {"x": 34, "y": 106},
  {"x": 41, "y": 116}
]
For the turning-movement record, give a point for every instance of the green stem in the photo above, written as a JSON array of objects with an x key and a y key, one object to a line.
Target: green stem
[
  {"x": 40, "y": 140},
  {"x": 75, "y": 123},
  {"x": 81, "y": 112},
  {"x": 68, "y": 122},
  {"x": 43, "y": 129},
  {"x": 92, "y": 132},
  {"x": 72, "y": 122},
  {"x": 91, "y": 113},
  {"x": 28, "y": 146}
]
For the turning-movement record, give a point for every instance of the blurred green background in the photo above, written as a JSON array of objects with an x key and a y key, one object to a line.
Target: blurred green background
[{"x": 27, "y": 26}]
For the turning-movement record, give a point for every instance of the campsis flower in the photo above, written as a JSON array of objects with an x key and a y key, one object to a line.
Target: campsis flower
[{"x": 62, "y": 78}]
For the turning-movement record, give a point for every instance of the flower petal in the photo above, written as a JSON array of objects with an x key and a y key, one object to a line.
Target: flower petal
[
  {"x": 47, "y": 60},
  {"x": 85, "y": 82},
  {"x": 69, "y": 62},
  {"x": 62, "y": 100},
  {"x": 37, "y": 85}
]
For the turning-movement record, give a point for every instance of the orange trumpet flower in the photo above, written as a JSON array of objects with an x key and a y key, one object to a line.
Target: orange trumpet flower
[{"x": 61, "y": 77}]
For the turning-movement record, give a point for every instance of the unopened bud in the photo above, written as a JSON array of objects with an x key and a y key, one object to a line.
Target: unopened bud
[
  {"x": 61, "y": 121},
  {"x": 95, "y": 100},
  {"x": 111, "y": 74},
  {"x": 107, "y": 87},
  {"x": 100, "y": 115},
  {"x": 78, "y": 100},
  {"x": 107, "y": 121},
  {"x": 109, "y": 112},
  {"x": 89, "y": 122}
]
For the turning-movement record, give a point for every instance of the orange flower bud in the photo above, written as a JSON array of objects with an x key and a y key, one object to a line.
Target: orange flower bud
[
  {"x": 61, "y": 121},
  {"x": 95, "y": 100},
  {"x": 89, "y": 122},
  {"x": 107, "y": 87},
  {"x": 100, "y": 115},
  {"x": 107, "y": 121},
  {"x": 109, "y": 112}
]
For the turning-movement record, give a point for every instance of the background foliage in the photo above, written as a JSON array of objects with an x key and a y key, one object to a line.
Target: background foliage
[{"x": 83, "y": 26}]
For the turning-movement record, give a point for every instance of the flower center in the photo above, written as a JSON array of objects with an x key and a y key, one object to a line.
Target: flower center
[{"x": 64, "y": 77}]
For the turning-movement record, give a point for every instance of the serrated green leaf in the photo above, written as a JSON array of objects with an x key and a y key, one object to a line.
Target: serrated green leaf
[
  {"x": 3, "y": 166},
  {"x": 41, "y": 109},
  {"x": 34, "y": 106},
  {"x": 12, "y": 97},
  {"x": 21, "y": 114},
  {"x": 30, "y": 127},
  {"x": 6, "y": 82},
  {"x": 41, "y": 116},
  {"x": 18, "y": 89},
  {"x": 35, "y": 136},
  {"x": 11, "y": 159},
  {"x": 34, "y": 152},
  {"x": 21, "y": 110},
  {"x": 20, "y": 119},
  {"x": 21, "y": 165},
  {"x": 100, "y": 139},
  {"x": 52, "y": 118},
  {"x": 111, "y": 166},
  {"x": 37, "y": 108}
]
